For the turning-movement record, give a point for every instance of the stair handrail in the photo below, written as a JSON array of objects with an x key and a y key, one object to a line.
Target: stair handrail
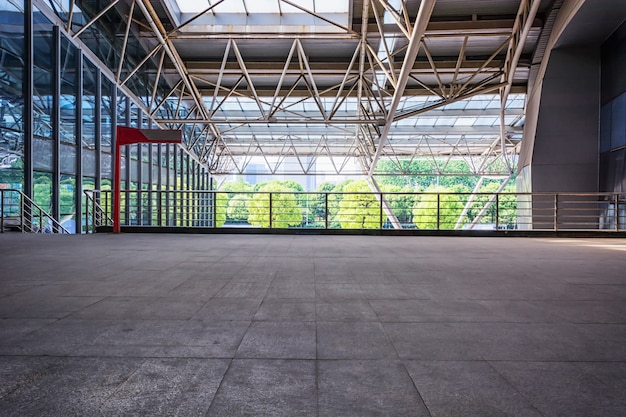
[
  {"x": 98, "y": 213},
  {"x": 28, "y": 208}
]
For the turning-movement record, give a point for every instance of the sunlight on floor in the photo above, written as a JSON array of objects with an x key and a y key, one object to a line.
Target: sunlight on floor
[{"x": 612, "y": 244}]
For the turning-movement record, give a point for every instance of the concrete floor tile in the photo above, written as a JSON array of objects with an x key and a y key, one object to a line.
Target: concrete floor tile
[
  {"x": 353, "y": 340},
  {"x": 11, "y": 330},
  {"x": 24, "y": 305},
  {"x": 528, "y": 341},
  {"x": 367, "y": 388},
  {"x": 221, "y": 309},
  {"x": 60, "y": 338},
  {"x": 345, "y": 310},
  {"x": 17, "y": 371},
  {"x": 601, "y": 342},
  {"x": 149, "y": 308},
  {"x": 433, "y": 341},
  {"x": 562, "y": 389},
  {"x": 198, "y": 288},
  {"x": 261, "y": 387},
  {"x": 168, "y": 387},
  {"x": 243, "y": 290},
  {"x": 69, "y": 386},
  {"x": 279, "y": 340},
  {"x": 169, "y": 338},
  {"x": 612, "y": 374},
  {"x": 445, "y": 311},
  {"x": 286, "y": 310},
  {"x": 388, "y": 291},
  {"x": 585, "y": 311},
  {"x": 296, "y": 290},
  {"x": 467, "y": 388},
  {"x": 519, "y": 311},
  {"x": 339, "y": 290}
]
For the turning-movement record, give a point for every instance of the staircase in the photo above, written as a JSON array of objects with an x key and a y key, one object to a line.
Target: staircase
[{"x": 19, "y": 213}]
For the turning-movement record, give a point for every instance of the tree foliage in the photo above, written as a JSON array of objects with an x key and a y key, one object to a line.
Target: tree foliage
[
  {"x": 436, "y": 209},
  {"x": 360, "y": 210},
  {"x": 237, "y": 208},
  {"x": 285, "y": 209},
  {"x": 401, "y": 201},
  {"x": 424, "y": 173}
]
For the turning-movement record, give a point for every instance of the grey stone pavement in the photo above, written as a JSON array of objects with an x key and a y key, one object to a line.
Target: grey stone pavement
[{"x": 269, "y": 325}]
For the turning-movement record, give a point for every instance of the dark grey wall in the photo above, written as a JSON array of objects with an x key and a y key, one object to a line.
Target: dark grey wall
[
  {"x": 613, "y": 113},
  {"x": 565, "y": 156},
  {"x": 614, "y": 65}
]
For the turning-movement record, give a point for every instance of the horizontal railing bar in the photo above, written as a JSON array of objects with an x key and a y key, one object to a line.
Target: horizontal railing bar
[{"x": 359, "y": 210}]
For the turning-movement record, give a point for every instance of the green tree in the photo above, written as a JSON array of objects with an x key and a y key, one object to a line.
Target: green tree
[
  {"x": 401, "y": 200},
  {"x": 319, "y": 205},
  {"x": 42, "y": 190},
  {"x": 237, "y": 210},
  {"x": 221, "y": 204},
  {"x": 334, "y": 199},
  {"x": 506, "y": 210},
  {"x": 360, "y": 210},
  {"x": 437, "y": 207},
  {"x": 240, "y": 190},
  {"x": 232, "y": 188},
  {"x": 285, "y": 209},
  {"x": 422, "y": 174}
]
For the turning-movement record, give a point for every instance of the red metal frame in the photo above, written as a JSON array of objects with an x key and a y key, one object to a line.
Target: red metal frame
[{"x": 129, "y": 136}]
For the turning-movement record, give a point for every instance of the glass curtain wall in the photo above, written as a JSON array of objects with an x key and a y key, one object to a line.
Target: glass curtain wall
[
  {"x": 58, "y": 112},
  {"x": 12, "y": 67}
]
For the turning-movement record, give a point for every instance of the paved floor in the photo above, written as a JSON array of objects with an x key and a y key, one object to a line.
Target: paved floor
[{"x": 251, "y": 325}]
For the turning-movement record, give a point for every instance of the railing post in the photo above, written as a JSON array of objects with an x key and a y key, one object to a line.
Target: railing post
[
  {"x": 326, "y": 210},
  {"x": 616, "y": 212},
  {"x": 497, "y": 211},
  {"x": 270, "y": 210},
  {"x": 22, "y": 213},
  {"x": 380, "y": 211},
  {"x": 556, "y": 212},
  {"x": 1, "y": 211},
  {"x": 214, "y": 209},
  {"x": 438, "y": 210},
  {"x": 86, "y": 213}
]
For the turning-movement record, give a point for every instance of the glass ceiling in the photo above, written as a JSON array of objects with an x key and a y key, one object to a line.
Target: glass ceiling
[
  {"x": 280, "y": 16},
  {"x": 264, "y": 6}
]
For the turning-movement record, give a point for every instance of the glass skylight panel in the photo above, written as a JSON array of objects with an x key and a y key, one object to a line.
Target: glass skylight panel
[
  {"x": 248, "y": 104},
  {"x": 310, "y": 105},
  {"x": 487, "y": 121},
  {"x": 459, "y": 105},
  {"x": 287, "y": 8},
  {"x": 332, "y": 6},
  {"x": 230, "y": 6},
  {"x": 424, "y": 121},
  {"x": 509, "y": 120},
  {"x": 445, "y": 121},
  {"x": 477, "y": 104},
  {"x": 230, "y": 105},
  {"x": 192, "y": 6},
  {"x": 262, "y": 6},
  {"x": 465, "y": 121},
  {"x": 405, "y": 122}
]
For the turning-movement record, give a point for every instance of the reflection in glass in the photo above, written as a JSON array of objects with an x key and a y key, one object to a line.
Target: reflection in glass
[{"x": 11, "y": 100}]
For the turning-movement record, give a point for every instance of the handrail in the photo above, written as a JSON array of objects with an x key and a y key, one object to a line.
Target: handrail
[
  {"x": 98, "y": 213},
  {"x": 26, "y": 215},
  {"x": 361, "y": 210}
]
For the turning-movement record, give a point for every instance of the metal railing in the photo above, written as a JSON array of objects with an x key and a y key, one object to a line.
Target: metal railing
[
  {"x": 95, "y": 211},
  {"x": 20, "y": 213},
  {"x": 360, "y": 211}
]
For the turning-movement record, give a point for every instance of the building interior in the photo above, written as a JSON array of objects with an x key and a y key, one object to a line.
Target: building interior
[{"x": 504, "y": 118}]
